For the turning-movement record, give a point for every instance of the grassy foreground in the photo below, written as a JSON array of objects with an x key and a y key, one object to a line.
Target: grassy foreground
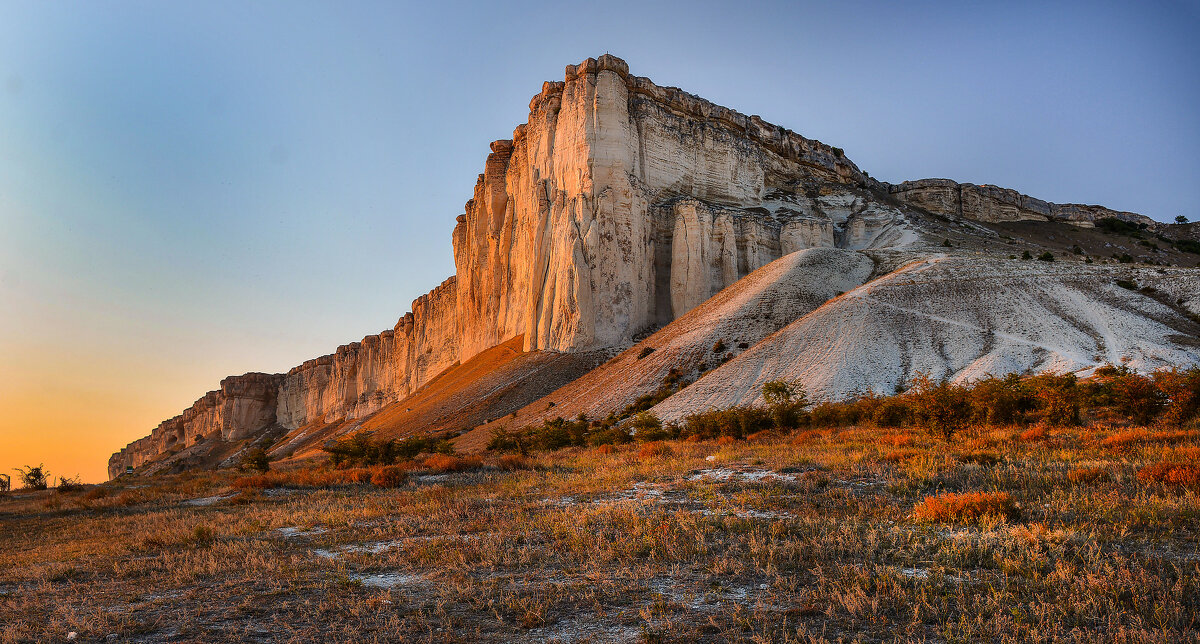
[{"x": 841, "y": 534}]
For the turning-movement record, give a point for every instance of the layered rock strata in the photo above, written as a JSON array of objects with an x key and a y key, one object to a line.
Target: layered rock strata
[{"x": 993, "y": 204}]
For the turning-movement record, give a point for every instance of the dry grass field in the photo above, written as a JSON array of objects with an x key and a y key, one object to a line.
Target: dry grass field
[{"x": 841, "y": 534}]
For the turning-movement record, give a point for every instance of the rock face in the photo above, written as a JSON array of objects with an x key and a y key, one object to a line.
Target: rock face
[
  {"x": 242, "y": 406},
  {"x": 592, "y": 222},
  {"x": 616, "y": 208},
  {"x": 993, "y": 204}
]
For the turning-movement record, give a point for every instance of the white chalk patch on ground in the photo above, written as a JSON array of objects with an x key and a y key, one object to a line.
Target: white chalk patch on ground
[
  {"x": 385, "y": 580},
  {"x": 300, "y": 532},
  {"x": 209, "y": 500},
  {"x": 372, "y": 548},
  {"x": 728, "y": 474},
  {"x": 583, "y": 628}
]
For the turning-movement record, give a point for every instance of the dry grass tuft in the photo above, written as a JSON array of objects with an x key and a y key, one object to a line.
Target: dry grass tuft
[
  {"x": 967, "y": 506},
  {"x": 1089, "y": 475},
  {"x": 514, "y": 462}
]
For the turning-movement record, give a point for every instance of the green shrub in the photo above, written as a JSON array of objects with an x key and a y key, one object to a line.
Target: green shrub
[
  {"x": 1046, "y": 256},
  {"x": 1181, "y": 389},
  {"x": 1188, "y": 245},
  {"x": 1117, "y": 226},
  {"x": 735, "y": 422},
  {"x": 647, "y": 427},
  {"x": 360, "y": 450},
  {"x": 255, "y": 460},
  {"x": 786, "y": 402},
  {"x": 1058, "y": 398},
  {"x": 1001, "y": 401},
  {"x": 939, "y": 404},
  {"x": 892, "y": 411},
  {"x": 1128, "y": 393}
]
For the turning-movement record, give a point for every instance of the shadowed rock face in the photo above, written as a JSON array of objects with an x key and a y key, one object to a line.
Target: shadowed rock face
[
  {"x": 243, "y": 406},
  {"x": 616, "y": 208}
]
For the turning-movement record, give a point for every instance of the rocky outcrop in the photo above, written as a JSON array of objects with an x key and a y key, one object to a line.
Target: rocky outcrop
[
  {"x": 964, "y": 318},
  {"x": 993, "y": 204},
  {"x": 561, "y": 241},
  {"x": 618, "y": 206},
  {"x": 243, "y": 406}
]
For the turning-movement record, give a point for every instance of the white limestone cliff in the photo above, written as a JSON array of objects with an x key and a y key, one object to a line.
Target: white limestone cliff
[{"x": 615, "y": 208}]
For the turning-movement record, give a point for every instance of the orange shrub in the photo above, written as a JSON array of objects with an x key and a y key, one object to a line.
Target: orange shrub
[
  {"x": 1171, "y": 474},
  {"x": 966, "y": 506},
  {"x": 442, "y": 463},
  {"x": 350, "y": 476},
  {"x": 513, "y": 462},
  {"x": 389, "y": 476},
  {"x": 808, "y": 435},
  {"x": 1034, "y": 434},
  {"x": 605, "y": 449},
  {"x": 654, "y": 450},
  {"x": 897, "y": 440},
  {"x": 1133, "y": 436}
]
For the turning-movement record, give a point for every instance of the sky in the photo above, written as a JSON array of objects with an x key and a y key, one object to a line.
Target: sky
[{"x": 190, "y": 190}]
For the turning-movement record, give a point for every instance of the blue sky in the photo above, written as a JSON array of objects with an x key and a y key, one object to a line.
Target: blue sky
[{"x": 190, "y": 190}]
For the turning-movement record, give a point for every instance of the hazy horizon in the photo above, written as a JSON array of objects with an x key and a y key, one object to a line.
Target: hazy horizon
[{"x": 195, "y": 190}]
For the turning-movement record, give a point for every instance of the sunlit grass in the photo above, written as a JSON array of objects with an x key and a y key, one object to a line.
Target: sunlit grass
[{"x": 839, "y": 533}]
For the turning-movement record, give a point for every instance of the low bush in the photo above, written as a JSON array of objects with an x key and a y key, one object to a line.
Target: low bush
[
  {"x": 443, "y": 463},
  {"x": 941, "y": 405},
  {"x": 1171, "y": 474},
  {"x": 654, "y": 450},
  {"x": 361, "y": 449},
  {"x": 34, "y": 478},
  {"x": 1034, "y": 434},
  {"x": 514, "y": 462},
  {"x": 967, "y": 506},
  {"x": 202, "y": 536},
  {"x": 735, "y": 422},
  {"x": 68, "y": 485},
  {"x": 389, "y": 476},
  {"x": 255, "y": 460}
]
